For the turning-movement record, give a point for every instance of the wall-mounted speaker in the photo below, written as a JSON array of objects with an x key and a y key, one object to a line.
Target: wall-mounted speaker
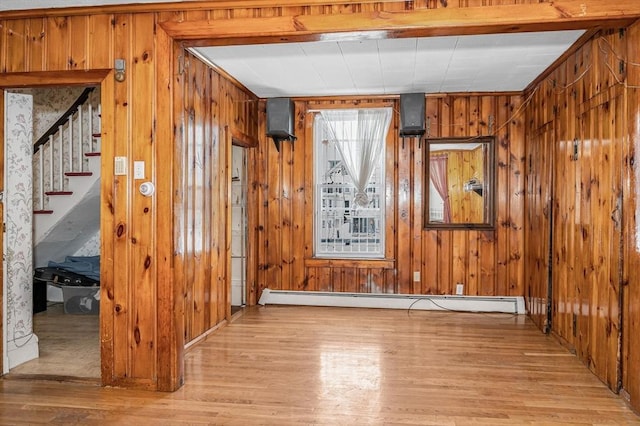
[
  {"x": 412, "y": 114},
  {"x": 280, "y": 120}
]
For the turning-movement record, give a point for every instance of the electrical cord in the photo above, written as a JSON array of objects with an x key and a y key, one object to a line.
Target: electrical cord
[{"x": 444, "y": 308}]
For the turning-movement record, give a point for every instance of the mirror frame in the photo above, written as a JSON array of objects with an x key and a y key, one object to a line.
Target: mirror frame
[{"x": 489, "y": 185}]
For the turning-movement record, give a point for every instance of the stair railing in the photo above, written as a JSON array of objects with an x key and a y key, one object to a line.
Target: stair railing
[{"x": 63, "y": 147}]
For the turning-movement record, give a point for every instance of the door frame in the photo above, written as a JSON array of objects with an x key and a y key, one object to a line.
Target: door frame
[{"x": 71, "y": 78}]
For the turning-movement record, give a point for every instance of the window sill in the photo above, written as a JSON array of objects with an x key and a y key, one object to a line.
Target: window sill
[{"x": 317, "y": 262}]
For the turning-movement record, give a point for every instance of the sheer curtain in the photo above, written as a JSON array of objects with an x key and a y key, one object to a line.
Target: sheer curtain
[
  {"x": 438, "y": 175},
  {"x": 359, "y": 135}
]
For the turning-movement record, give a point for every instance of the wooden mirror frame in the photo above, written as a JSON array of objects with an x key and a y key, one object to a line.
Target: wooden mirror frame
[{"x": 486, "y": 189}]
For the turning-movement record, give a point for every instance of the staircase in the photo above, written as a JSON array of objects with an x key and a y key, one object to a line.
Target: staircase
[{"x": 66, "y": 182}]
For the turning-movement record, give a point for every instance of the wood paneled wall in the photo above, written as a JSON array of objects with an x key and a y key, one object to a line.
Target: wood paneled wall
[
  {"x": 147, "y": 312},
  {"x": 631, "y": 227},
  {"x": 577, "y": 132},
  {"x": 149, "y": 309},
  {"x": 212, "y": 109},
  {"x": 131, "y": 243},
  {"x": 486, "y": 262}
]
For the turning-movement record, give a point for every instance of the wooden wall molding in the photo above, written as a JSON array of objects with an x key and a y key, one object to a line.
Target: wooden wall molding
[{"x": 558, "y": 15}]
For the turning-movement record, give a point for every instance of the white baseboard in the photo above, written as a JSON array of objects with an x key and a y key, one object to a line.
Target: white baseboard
[
  {"x": 22, "y": 349},
  {"x": 513, "y": 305}
]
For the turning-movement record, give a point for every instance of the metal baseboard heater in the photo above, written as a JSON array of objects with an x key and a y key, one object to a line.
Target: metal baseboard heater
[{"x": 512, "y": 305}]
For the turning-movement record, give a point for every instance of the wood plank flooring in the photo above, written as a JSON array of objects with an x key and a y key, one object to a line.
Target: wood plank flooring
[{"x": 283, "y": 365}]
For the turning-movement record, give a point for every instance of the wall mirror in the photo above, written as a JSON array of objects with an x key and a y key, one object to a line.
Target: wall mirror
[{"x": 460, "y": 182}]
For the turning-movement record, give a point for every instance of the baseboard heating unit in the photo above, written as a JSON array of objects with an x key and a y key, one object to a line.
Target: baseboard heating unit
[{"x": 512, "y": 305}]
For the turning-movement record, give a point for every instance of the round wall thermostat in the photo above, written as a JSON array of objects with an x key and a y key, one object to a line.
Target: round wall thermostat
[{"x": 147, "y": 189}]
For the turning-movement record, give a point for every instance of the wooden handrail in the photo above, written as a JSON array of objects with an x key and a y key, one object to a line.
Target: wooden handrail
[{"x": 63, "y": 119}]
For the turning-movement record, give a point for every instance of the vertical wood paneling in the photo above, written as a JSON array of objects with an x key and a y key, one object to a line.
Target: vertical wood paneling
[
  {"x": 582, "y": 102},
  {"x": 170, "y": 341},
  {"x": 516, "y": 186},
  {"x": 488, "y": 262},
  {"x": 78, "y": 51},
  {"x": 443, "y": 258},
  {"x": 143, "y": 325},
  {"x": 100, "y": 42},
  {"x": 2, "y": 170},
  {"x": 209, "y": 112},
  {"x": 58, "y": 41},
  {"x": 631, "y": 226},
  {"x": 403, "y": 176},
  {"x": 418, "y": 199},
  {"x": 14, "y": 46},
  {"x": 538, "y": 226},
  {"x": 298, "y": 198},
  {"x": 252, "y": 229},
  {"x": 35, "y": 45},
  {"x": 123, "y": 253},
  {"x": 502, "y": 202}
]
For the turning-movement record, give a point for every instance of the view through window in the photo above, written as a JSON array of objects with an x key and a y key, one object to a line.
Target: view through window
[{"x": 349, "y": 178}]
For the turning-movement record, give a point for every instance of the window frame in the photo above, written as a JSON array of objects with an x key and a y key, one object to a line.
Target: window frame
[{"x": 382, "y": 253}]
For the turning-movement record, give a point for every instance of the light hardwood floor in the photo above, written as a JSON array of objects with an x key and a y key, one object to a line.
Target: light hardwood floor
[{"x": 338, "y": 366}]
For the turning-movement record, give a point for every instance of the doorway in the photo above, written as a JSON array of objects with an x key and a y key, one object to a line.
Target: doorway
[
  {"x": 61, "y": 155},
  {"x": 238, "y": 228}
]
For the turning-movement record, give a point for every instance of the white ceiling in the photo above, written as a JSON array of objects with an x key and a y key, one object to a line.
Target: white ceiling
[
  {"x": 479, "y": 63},
  {"x": 369, "y": 66}
]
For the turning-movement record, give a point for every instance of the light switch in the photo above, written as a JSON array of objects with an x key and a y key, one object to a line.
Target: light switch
[{"x": 138, "y": 169}]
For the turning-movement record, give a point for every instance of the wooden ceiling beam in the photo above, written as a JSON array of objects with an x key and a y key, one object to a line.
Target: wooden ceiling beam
[{"x": 555, "y": 15}]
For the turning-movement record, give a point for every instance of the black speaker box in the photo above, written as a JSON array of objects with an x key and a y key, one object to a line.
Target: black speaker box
[
  {"x": 280, "y": 113},
  {"x": 412, "y": 114}
]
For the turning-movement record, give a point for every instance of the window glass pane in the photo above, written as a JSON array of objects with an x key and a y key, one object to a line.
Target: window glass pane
[{"x": 343, "y": 227}]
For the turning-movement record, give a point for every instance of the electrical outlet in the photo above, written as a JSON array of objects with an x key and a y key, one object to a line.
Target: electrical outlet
[
  {"x": 459, "y": 289},
  {"x": 416, "y": 276}
]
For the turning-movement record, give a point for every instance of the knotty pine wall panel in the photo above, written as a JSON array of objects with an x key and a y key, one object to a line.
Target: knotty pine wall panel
[
  {"x": 133, "y": 329},
  {"x": 210, "y": 106},
  {"x": 630, "y": 356},
  {"x": 442, "y": 257},
  {"x": 577, "y": 133},
  {"x": 84, "y": 38}
]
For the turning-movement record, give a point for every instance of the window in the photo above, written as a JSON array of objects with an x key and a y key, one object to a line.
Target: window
[{"x": 349, "y": 147}]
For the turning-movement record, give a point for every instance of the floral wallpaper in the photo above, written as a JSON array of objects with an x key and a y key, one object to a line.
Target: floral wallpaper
[
  {"x": 18, "y": 216},
  {"x": 48, "y": 104}
]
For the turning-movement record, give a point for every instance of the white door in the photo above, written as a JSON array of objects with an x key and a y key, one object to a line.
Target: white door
[{"x": 21, "y": 342}]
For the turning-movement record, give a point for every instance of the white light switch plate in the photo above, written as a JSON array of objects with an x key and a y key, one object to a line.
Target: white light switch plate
[{"x": 138, "y": 169}]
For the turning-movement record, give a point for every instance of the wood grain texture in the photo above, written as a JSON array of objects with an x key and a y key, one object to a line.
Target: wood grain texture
[
  {"x": 140, "y": 312},
  {"x": 577, "y": 124},
  {"x": 442, "y": 257},
  {"x": 560, "y": 14},
  {"x": 170, "y": 359},
  {"x": 2, "y": 171},
  {"x": 207, "y": 106},
  {"x": 327, "y": 366},
  {"x": 143, "y": 327},
  {"x": 631, "y": 226}
]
